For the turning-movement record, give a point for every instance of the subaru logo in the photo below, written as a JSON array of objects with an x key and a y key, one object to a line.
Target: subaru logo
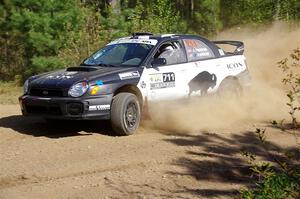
[{"x": 45, "y": 92}]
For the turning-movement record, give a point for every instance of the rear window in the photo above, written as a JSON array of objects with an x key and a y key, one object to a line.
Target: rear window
[{"x": 197, "y": 50}]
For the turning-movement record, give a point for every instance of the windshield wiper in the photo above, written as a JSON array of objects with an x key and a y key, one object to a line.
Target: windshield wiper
[{"x": 107, "y": 65}]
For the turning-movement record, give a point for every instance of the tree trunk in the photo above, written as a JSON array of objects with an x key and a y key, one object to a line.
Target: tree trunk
[
  {"x": 192, "y": 9},
  {"x": 277, "y": 11},
  {"x": 115, "y": 5}
]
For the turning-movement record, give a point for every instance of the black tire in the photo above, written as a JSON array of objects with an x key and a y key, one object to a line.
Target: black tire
[
  {"x": 230, "y": 88},
  {"x": 125, "y": 114}
]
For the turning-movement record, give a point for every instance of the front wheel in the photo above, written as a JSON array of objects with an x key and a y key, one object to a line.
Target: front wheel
[{"x": 125, "y": 114}]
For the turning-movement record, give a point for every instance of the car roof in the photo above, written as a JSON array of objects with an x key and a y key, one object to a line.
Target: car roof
[
  {"x": 165, "y": 37},
  {"x": 161, "y": 37}
]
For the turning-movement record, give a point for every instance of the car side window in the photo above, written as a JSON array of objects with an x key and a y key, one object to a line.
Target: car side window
[
  {"x": 197, "y": 50},
  {"x": 172, "y": 51}
]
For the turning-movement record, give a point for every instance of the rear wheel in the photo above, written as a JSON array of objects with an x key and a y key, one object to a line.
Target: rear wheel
[
  {"x": 230, "y": 88},
  {"x": 125, "y": 114}
]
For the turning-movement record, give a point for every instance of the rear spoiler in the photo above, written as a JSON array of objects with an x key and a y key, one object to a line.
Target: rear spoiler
[{"x": 238, "y": 44}]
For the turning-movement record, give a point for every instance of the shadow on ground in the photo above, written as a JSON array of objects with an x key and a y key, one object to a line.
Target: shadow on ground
[
  {"x": 214, "y": 158},
  {"x": 54, "y": 129}
]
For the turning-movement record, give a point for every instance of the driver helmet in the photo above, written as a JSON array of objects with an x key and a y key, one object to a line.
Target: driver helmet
[{"x": 167, "y": 48}]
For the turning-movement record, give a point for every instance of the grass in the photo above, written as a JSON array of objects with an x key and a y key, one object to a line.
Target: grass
[
  {"x": 278, "y": 186},
  {"x": 9, "y": 92}
]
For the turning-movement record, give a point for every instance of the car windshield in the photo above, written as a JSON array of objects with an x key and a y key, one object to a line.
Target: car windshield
[{"x": 124, "y": 54}]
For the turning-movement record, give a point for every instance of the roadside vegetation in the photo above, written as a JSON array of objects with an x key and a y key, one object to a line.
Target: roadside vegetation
[
  {"x": 9, "y": 92},
  {"x": 279, "y": 178}
]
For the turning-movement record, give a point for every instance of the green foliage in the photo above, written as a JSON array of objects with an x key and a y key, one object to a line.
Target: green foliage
[
  {"x": 258, "y": 11},
  {"x": 279, "y": 124},
  {"x": 40, "y": 29},
  {"x": 41, "y": 64},
  {"x": 206, "y": 18},
  {"x": 292, "y": 80},
  {"x": 261, "y": 134},
  {"x": 159, "y": 17},
  {"x": 276, "y": 182},
  {"x": 42, "y": 35},
  {"x": 288, "y": 9},
  {"x": 279, "y": 186},
  {"x": 247, "y": 11},
  {"x": 9, "y": 91}
]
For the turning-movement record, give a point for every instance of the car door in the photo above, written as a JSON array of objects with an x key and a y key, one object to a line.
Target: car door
[{"x": 165, "y": 80}]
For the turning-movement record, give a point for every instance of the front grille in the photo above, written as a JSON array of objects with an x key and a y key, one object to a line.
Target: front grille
[
  {"x": 46, "y": 92},
  {"x": 44, "y": 110}
]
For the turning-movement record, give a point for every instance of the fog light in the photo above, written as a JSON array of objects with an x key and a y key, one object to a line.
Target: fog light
[{"x": 75, "y": 108}]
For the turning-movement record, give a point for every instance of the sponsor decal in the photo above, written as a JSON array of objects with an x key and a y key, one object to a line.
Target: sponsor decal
[
  {"x": 201, "y": 83},
  {"x": 156, "y": 77},
  {"x": 190, "y": 43},
  {"x": 94, "y": 90},
  {"x": 201, "y": 52},
  {"x": 99, "y": 82},
  {"x": 206, "y": 54},
  {"x": 201, "y": 49},
  {"x": 162, "y": 80},
  {"x": 129, "y": 75},
  {"x": 233, "y": 66},
  {"x": 99, "y": 107},
  {"x": 195, "y": 49},
  {"x": 221, "y": 52},
  {"x": 143, "y": 84}
]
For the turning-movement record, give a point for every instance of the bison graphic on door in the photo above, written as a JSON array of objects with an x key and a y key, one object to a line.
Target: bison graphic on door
[{"x": 202, "y": 82}]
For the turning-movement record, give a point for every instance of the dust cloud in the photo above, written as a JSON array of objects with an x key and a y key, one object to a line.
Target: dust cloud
[{"x": 263, "y": 102}]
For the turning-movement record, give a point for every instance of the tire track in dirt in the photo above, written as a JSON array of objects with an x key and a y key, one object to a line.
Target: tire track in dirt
[{"x": 15, "y": 181}]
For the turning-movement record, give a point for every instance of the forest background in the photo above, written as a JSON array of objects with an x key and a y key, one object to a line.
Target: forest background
[{"x": 43, "y": 35}]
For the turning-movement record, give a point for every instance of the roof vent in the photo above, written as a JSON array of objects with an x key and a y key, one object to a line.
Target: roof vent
[{"x": 142, "y": 34}]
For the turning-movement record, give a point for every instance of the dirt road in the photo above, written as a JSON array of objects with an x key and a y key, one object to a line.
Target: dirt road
[{"x": 81, "y": 160}]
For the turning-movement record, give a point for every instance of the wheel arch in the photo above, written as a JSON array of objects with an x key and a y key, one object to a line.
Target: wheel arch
[
  {"x": 129, "y": 88},
  {"x": 230, "y": 79},
  {"x": 230, "y": 83}
]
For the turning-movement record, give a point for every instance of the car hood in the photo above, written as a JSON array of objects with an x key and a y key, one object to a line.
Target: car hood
[{"x": 64, "y": 79}]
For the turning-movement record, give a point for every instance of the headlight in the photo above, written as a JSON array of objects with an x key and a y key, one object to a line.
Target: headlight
[
  {"x": 25, "y": 87},
  {"x": 78, "y": 89}
]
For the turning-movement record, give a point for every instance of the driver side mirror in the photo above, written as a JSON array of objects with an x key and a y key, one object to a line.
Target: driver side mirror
[{"x": 158, "y": 62}]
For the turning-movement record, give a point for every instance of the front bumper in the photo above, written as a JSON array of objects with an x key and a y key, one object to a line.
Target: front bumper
[{"x": 92, "y": 108}]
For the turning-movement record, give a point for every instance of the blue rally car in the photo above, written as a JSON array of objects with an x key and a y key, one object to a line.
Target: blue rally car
[{"x": 119, "y": 80}]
